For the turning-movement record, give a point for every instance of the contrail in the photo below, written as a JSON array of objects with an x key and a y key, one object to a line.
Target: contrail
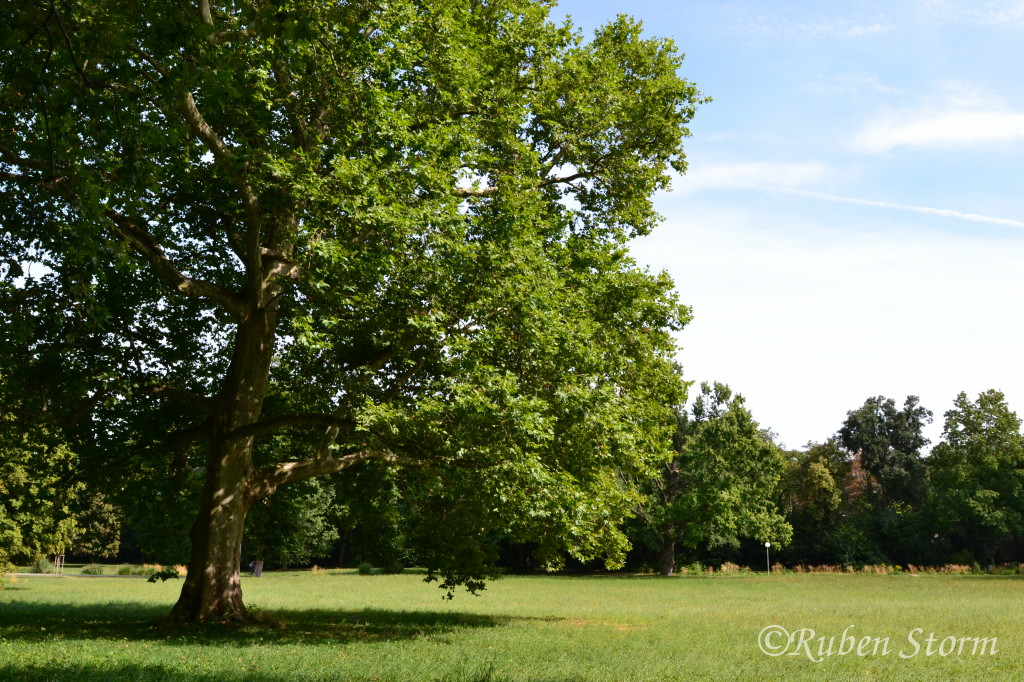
[{"x": 949, "y": 213}]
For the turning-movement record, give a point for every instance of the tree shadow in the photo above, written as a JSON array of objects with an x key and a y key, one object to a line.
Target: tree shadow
[
  {"x": 35, "y": 622},
  {"x": 83, "y": 672}
]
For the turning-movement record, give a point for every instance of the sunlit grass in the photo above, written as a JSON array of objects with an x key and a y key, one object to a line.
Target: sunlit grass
[{"x": 384, "y": 627}]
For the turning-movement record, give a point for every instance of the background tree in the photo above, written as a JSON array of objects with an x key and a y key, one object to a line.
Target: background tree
[
  {"x": 888, "y": 442},
  {"x": 355, "y": 231},
  {"x": 888, "y": 484},
  {"x": 99, "y": 524},
  {"x": 38, "y": 491},
  {"x": 811, "y": 495},
  {"x": 721, "y": 483},
  {"x": 978, "y": 475}
]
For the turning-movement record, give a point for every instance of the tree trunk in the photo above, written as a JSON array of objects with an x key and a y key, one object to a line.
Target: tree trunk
[
  {"x": 212, "y": 589},
  {"x": 667, "y": 555}
]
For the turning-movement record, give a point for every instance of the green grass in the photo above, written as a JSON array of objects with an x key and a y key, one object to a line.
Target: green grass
[{"x": 393, "y": 627}]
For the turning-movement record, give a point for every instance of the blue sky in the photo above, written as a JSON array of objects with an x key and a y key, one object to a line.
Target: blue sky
[{"x": 852, "y": 221}]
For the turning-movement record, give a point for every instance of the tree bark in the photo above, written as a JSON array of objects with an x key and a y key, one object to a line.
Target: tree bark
[
  {"x": 212, "y": 589},
  {"x": 667, "y": 555}
]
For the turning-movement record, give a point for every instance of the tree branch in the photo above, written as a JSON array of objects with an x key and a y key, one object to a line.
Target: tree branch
[
  {"x": 182, "y": 442},
  {"x": 204, "y": 403},
  {"x": 204, "y": 10},
  {"x": 567, "y": 179},
  {"x": 203, "y": 130},
  {"x": 9, "y": 156},
  {"x": 274, "y": 424},
  {"x": 268, "y": 480},
  {"x": 147, "y": 246},
  {"x": 223, "y": 154}
]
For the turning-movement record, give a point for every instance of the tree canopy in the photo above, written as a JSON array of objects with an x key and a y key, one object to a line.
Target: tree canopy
[
  {"x": 978, "y": 472},
  {"x": 721, "y": 483},
  {"x": 245, "y": 245}
]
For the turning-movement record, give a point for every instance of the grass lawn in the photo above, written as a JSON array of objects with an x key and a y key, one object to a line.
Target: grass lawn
[{"x": 344, "y": 626}]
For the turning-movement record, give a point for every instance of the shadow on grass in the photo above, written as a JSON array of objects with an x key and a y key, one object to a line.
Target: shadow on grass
[{"x": 35, "y": 622}]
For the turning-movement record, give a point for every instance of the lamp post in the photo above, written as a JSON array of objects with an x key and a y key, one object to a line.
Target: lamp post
[{"x": 767, "y": 560}]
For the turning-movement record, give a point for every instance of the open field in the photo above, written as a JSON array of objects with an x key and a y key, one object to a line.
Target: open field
[{"x": 343, "y": 626}]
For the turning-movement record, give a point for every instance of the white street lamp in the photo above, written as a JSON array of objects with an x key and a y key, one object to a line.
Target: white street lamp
[{"x": 767, "y": 560}]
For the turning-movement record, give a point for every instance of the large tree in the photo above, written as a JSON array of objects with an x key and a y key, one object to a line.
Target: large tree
[
  {"x": 720, "y": 484},
  {"x": 887, "y": 443},
  {"x": 977, "y": 472},
  {"x": 255, "y": 243}
]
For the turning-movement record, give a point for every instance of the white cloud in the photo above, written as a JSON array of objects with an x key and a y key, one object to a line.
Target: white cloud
[
  {"x": 857, "y": 31},
  {"x": 853, "y": 84},
  {"x": 753, "y": 174},
  {"x": 949, "y": 128},
  {"x": 1001, "y": 13},
  {"x": 797, "y": 24}
]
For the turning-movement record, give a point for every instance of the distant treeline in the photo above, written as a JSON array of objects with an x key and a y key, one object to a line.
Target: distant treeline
[{"x": 870, "y": 494}]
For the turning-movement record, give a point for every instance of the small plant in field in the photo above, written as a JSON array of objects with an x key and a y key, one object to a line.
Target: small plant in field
[
  {"x": 778, "y": 568},
  {"x": 365, "y": 568},
  {"x": 92, "y": 569},
  {"x": 42, "y": 565},
  {"x": 729, "y": 567},
  {"x": 181, "y": 569},
  {"x": 124, "y": 569},
  {"x": 148, "y": 569},
  {"x": 164, "y": 574},
  {"x": 317, "y": 571},
  {"x": 958, "y": 569}
]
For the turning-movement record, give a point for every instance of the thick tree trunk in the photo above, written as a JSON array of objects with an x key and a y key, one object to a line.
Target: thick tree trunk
[
  {"x": 667, "y": 555},
  {"x": 212, "y": 589}
]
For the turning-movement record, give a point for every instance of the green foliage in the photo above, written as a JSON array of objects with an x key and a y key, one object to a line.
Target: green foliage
[
  {"x": 37, "y": 490},
  {"x": 393, "y": 231},
  {"x": 164, "y": 574},
  {"x": 294, "y": 526},
  {"x": 92, "y": 569},
  {"x": 888, "y": 441},
  {"x": 978, "y": 473},
  {"x": 98, "y": 534},
  {"x": 721, "y": 482},
  {"x": 124, "y": 569},
  {"x": 365, "y": 568},
  {"x": 42, "y": 565}
]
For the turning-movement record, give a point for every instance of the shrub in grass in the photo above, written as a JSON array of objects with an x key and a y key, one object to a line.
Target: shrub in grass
[
  {"x": 124, "y": 569},
  {"x": 148, "y": 569},
  {"x": 164, "y": 574},
  {"x": 365, "y": 568},
  {"x": 695, "y": 568},
  {"x": 42, "y": 565},
  {"x": 92, "y": 569}
]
